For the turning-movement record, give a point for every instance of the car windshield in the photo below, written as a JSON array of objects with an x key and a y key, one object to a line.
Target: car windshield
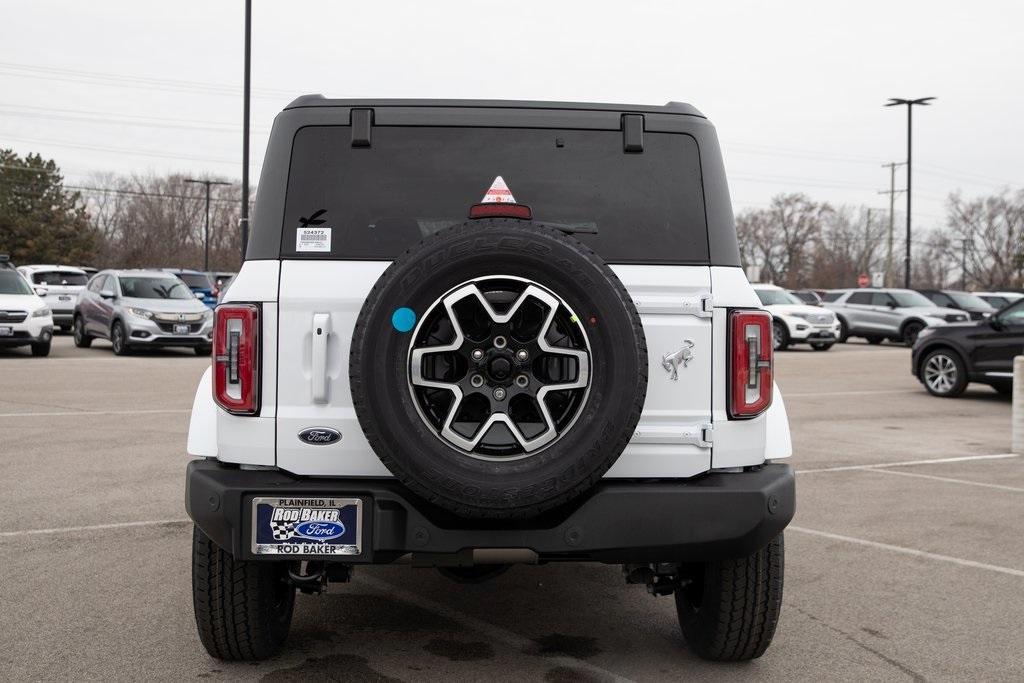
[
  {"x": 966, "y": 300},
  {"x": 906, "y": 299},
  {"x": 155, "y": 288},
  {"x": 57, "y": 278},
  {"x": 11, "y": 282},
  {"x": 196, "y": 280},
  {"x": 770, "y": 297}
]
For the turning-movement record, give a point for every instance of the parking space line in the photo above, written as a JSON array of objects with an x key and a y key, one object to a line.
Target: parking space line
[
  {"x": 92, "y": 527},
  {"x": 908, "y": 551},
  {"x": 486, "y": 628},
  {"x": 908, "y": 463},
  {"x": 948, "y": 480},
  {"x": 101, "y": 412},
  {"x": 810, "y": 394}
]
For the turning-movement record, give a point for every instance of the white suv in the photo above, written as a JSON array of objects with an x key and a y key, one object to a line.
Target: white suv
[
  {"x": 794, "y": 322},
  {"x": 25, "y": 319},
  {"x": 62, "y": 283},
  {"x": 470, "y": 334}
]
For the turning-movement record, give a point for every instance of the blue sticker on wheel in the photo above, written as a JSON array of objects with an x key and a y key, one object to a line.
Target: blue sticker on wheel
[{"x": 403, "y": 319}]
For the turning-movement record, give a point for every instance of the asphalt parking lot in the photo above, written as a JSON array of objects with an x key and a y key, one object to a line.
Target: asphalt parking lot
[{"x": 905, "y": 560}]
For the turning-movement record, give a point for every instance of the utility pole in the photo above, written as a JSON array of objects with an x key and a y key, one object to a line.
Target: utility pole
[
  {"x": 245, "y": 130},
  {"x": 206, "y": 230},
  {"x": 965, "y": 244},
  {"x": 924, "y": 102},
  {"x": 892, "y": 192}
]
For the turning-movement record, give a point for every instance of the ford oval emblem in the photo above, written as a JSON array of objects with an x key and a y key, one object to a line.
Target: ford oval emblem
[
  {"x": 320, "y": 531},
  {"x": 319, "y": 436}
]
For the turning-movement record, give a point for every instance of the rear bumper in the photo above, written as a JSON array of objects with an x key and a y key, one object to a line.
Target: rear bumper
[{"x": 714, "y": 516}]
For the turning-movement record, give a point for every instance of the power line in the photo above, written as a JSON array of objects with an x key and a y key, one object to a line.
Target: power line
[{"x": 123, "y": 150}]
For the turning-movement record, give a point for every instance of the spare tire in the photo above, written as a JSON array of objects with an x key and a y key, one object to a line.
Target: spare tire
[{"x": 498, "y": 368}]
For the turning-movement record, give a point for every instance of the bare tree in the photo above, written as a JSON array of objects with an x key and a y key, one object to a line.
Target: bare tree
[
  {"x": 780, "y": 238},
  {"x": 993, "y": 229}
]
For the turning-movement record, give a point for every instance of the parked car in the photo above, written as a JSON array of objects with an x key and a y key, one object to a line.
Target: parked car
[
  {"x": 220, "y": 281},
  {"x": 998, "y": 300},
  {"x": 200, "y": 284},
  {"x": 89, "y": 270},
  {"x": 974, "y": 306},
  {"x": 807, "y": 296},
  {"x": 515, "y": 362},
  {"x": 25, "y": 319},
  {"x": 63, "y": 283},
  {"x": 895, "y": 314},
  {"x": 141, "y": 309},
  {"x": 794, "y": 322},
  {"x": 946, "y": 359}
]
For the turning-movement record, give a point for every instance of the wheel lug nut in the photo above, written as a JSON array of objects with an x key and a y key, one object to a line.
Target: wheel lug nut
[
  {"x": 477, "y": 381},
  {"x": 500, "y": 342},
  {"x": 522, "y": 381},
  {"x": 499, "y": 394},
  {"x": 522, "y": 355},
  {"x": 477, "y": 354}
]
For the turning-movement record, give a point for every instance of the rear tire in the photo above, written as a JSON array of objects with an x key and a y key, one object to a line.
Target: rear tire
[
  {"x": 41, "y": 349},
  {"x": 844, "y": 331},
  {"x": 243, "y": 609},
  {"x": 203, "y": 350},
  {"x": 82, "y": 339},
  {"x": 729, "y": 611},
  {"x": 875, "y": 341},
  {"x": 780, "y": 336},
  {"x": 821, "y": 346}
]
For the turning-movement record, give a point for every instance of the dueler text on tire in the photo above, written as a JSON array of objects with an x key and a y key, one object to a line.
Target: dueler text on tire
[{"x": 498, "y": 368}]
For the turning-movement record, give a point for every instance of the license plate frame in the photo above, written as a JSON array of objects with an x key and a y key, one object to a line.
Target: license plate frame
[
  {"x": 293, "y": 532},
  {"x": 6, "y": 331},
  {"x": 182, "y": 329}
]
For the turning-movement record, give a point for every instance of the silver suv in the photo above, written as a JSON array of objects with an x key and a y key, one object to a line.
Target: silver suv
[
  {"x": 879, "y": 314},
  {"x": 142, "y": 308}
]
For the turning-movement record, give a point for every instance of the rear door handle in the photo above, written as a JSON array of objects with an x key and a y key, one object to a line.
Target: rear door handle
[{"x": 321, "y": 330}]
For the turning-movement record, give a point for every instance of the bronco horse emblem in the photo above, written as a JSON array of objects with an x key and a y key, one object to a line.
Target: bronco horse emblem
[{"x": 671, "y": 361}]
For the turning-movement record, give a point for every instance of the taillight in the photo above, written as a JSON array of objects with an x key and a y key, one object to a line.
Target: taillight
[
  {"x": 236, "y": 353},
  {"x": 501, "y": 210},
  {"x": 750, "y": 363}
]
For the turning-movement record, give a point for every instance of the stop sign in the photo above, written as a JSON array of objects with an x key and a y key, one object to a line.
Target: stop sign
[{"x": 863, "y": 280}]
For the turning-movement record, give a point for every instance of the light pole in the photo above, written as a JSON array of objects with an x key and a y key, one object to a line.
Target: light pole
[
  {"x": 894, "y": 101},
  {"x": 206, "y": 231},
  {"x": 245, "y": 130}
]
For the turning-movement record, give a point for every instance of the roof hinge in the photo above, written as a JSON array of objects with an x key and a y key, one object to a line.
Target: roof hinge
[
  {"x": 361, "y": 121},
  {"x": 700, "y": 305},
  {"x": 633, "y": 133}
]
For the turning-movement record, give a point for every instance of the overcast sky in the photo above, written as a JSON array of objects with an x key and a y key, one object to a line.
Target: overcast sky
[{"x": 795, "y": 88}]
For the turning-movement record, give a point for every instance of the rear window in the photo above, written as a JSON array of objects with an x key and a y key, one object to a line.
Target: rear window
[
  {"x": 196, "y": 280},
  {"x": 378, "y": 201},
  {"x": 55, "y": 278},
  {"x": 832, "y": 296}
]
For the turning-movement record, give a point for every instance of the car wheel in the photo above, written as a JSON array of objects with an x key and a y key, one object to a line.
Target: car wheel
[
  {"x": 780, "y": 335},
  {"x": 844, "y": 331},
  {"x": 41, "y": 349},
  {"x": 452, "y": 363},
  {"x": 204, "y": 350},
  {"x": 910, "y": 332},
  {"x": 82, "y": 339},
  {"x": 119, "y": 340},
  {"x": 65, "y": 328},
  {"x": 729, "y": 609},
  {"x": 943, "y": 373},
  {"x": 243, "y": 609},
  {"x": 821, "y": 346},
  {"x": 876, "y": 340}
]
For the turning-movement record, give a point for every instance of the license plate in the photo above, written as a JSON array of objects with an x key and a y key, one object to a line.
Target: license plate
[
  {"x": 307, "y": 526},
  {"x": 6, "y": 331},
  {"x": 181, "y": 329},
  {"x": 64, "y": 297}
]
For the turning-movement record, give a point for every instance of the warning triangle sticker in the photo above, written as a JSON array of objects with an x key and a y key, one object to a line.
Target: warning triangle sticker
[{"x": 498, "y": 193}]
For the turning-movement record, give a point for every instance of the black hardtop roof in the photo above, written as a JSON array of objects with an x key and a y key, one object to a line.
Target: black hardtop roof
[{"x": 679, "y": 108}]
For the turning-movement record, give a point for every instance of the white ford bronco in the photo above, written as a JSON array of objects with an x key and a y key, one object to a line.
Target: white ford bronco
[{"x": 469, "y": 334}]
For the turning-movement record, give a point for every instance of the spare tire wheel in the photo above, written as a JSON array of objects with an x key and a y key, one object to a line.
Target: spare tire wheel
[{"x": 498, "y": 368}]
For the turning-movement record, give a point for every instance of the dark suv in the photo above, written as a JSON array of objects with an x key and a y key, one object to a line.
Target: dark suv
[
  {"x": 946, "y": 358},
  {"x": 974, "y": 306}
]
